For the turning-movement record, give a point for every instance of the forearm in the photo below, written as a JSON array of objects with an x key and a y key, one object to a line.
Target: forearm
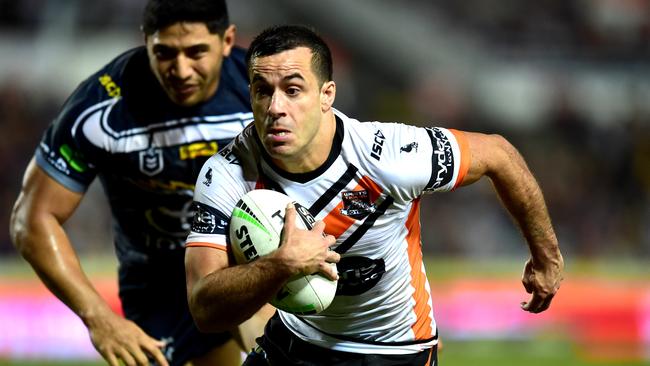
[
  {"x": 227, "y": 297},
  {"x": 523, "y": 198}
]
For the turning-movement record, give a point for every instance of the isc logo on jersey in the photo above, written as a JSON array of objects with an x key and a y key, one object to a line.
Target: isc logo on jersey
[{"x": 255, "y": 230}]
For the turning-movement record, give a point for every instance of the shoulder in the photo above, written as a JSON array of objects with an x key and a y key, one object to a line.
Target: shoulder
[
  {"x": 106, "y": 83},
  {"x": 382, "y": 141},
  {"x": 229, "y": 174},
  {"x": 235, "y": 64},
  {"x": 396, "y": 155}
]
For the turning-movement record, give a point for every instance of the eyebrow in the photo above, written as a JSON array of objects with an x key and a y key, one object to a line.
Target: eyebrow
[
  {"x": 196, "y": 47},
  {"x": 295, "y": 75}
]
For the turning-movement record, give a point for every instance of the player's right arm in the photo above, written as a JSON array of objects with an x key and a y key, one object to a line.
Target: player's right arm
[
  {"x": 222, "y": 296},
  {"x": 36, "y": 227}
]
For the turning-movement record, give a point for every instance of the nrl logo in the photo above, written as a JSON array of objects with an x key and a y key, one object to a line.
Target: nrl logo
[
  {"x": 356, "y": 204},
  {"x": 151, "y": 161}
]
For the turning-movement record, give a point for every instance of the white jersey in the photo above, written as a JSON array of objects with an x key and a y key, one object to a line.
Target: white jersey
[{"x": 368, "y": 194}]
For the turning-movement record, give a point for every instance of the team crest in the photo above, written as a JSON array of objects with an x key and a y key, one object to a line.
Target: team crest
[
  {"x": 151, "y": 161},
  {"x": 356, "y": 204}
]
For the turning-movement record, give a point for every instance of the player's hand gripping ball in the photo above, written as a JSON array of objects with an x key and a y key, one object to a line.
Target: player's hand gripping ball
[{"x": 255, "y": 230}]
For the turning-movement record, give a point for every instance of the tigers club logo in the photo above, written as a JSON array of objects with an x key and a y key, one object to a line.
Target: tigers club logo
[{"x": 356, "y": 204}]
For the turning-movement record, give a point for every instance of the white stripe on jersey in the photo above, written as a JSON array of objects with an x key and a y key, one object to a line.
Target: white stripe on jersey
[
  {"x": 94, "y": 124},
  {"x": 398, "y": 308}
]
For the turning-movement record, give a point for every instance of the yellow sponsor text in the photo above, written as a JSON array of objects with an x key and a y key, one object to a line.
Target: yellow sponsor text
[{"x": 192, "y": 151}]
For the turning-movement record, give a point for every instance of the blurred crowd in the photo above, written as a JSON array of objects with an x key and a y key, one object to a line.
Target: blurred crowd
[{"x": 593, "y": 164}]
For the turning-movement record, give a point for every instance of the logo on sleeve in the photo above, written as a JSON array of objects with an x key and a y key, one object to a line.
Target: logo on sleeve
[
  {"x": 443, "y": 159},
  {"x": 208, "y": 220},
  {"x": 74, "y": 158},
  {"x": 356, "y": 204},
  {"x": 208, "y": 178}
]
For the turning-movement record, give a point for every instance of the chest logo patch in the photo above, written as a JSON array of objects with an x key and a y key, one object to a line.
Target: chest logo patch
[
  {"x": 151, "y": 161},
  {"x": 356, "y": 204}
]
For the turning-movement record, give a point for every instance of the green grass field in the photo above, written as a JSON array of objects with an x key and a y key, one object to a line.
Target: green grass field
[
  {"x": 553, "y": 349},
  {"x": 474, "y": 353}
]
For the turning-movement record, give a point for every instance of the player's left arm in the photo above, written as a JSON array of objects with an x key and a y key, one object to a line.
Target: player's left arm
[{"x": 496, "y": 158}]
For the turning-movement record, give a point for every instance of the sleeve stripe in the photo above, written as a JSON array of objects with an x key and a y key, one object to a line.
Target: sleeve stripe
[
  {"x": 465, "y": 156},
  {"x": 206, "y": 245}
]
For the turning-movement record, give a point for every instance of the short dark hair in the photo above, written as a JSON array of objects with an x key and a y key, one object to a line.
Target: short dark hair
[
  {"x": 159, "y": 14},
  {"x": 282, "y": 38}
]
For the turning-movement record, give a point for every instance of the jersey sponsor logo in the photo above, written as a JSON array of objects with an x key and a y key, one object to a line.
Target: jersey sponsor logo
[
  {"x": 443, "y": 165},
  {"x": 377, "y": 145},
  {"x": 356, "y": 204},
  {"x": 192, "y": 151},
  {"x": 55, "y": 160},
  {"x": 358, "y": 274},
  {"x": 151, "y": 161},
  {"x": 305, "y": 215},
  {"x": 73, "y": 158},
  {"x": 208, "y": 220},
  {"x": 112, "y": 89},
  {"x": 410, "y": 147},
  {"x": 229, "y": 156},
  {"x": 208, "y": 178}
]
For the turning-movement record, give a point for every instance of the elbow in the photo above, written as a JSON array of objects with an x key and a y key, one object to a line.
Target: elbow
[
  {"x": 203, "y": 325},
  {"x": 18, "y": 229},
  {"x": 504, "y": 158}
]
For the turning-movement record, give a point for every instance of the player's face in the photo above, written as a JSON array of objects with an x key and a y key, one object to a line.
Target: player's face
[
  {"x": 288, "y": 104},
  {"x": 186, "y": 59}
]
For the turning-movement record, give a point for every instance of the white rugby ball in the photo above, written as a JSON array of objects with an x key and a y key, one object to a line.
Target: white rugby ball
[{"x": 255, "y": 229}]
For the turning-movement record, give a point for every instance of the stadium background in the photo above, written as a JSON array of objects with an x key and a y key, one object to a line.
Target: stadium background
[{"x": 568, "y": 82}]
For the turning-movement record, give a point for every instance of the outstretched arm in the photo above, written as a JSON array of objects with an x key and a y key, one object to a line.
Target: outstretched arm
[
  {"x": 36, "y": 230},
  {"x": 221, "y": 296},
  {"x": 494, "y": 157}
]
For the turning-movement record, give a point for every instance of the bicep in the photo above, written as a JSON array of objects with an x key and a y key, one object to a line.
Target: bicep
[
  {"x": 200, "y": 262},
  {"x": 488, "y": 155},
  {"x": 42, "y": 198}
]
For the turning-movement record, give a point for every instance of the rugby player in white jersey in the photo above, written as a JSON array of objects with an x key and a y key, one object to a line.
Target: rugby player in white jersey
[{"x": 363, "y": 182}]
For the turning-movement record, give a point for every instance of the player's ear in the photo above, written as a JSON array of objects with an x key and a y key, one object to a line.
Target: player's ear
[
  {"x": 229, "y": 39},
  {"x": 327, "y": 95}
]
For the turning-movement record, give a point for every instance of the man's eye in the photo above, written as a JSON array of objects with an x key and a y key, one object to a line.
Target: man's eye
[
  {"x": 262, "y": 91},
  {"x": 196, "y": 53},
  {"x": 164, "y": 54},
  {"x": 293, "y": 91}
]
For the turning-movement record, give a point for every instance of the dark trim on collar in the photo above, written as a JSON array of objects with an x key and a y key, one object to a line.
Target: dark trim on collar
[{"x": 308, "y": 176}]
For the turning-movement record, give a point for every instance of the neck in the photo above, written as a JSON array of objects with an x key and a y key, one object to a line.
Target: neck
[{"x": 319, "y": 149}]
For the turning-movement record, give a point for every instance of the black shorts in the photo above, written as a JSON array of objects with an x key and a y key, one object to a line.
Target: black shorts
[
  {"x": 153, "y": 295},
  {"x": 280, "y": 347}
]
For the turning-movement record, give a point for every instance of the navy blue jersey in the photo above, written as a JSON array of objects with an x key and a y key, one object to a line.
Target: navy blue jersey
[{"x": 120, "y": 125}]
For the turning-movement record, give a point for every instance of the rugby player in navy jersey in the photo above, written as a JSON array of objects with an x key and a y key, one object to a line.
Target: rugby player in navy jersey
[
  {"x": 363, "y": 182},
  {"x": 143, "y": 124}
]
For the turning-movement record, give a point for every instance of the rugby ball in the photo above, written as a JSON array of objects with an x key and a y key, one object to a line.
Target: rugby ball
[{"x": 255, "y": 230}]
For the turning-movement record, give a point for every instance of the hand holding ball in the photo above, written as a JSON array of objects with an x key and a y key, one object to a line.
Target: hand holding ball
[{"x": 256, "y": 229}]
